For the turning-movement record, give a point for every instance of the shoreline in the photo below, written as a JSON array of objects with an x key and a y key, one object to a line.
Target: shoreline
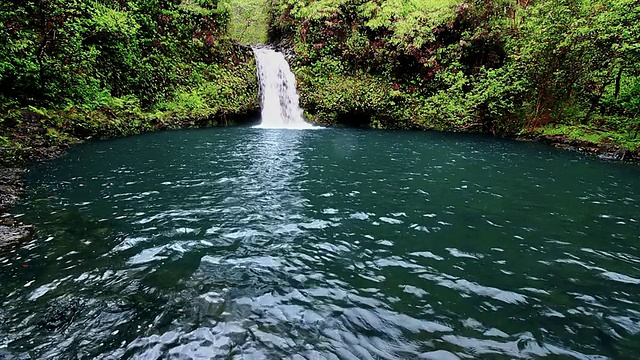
[
  {"x": 602, "y": 151},
  {"x": 13, "y": 232},
  {"x": 34, "y": 147}
]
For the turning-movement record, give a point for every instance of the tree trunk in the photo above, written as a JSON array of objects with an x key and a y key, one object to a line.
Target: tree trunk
[
  {"x": 618, "y": 78},
  {"x": 567, "y": 97},
  {"x": 594, "y": 104}
]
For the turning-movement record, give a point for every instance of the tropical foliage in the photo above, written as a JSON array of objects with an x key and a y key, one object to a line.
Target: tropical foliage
[
  {"x": 498, "y": 66},
  {"x": 107, "y": 68}
]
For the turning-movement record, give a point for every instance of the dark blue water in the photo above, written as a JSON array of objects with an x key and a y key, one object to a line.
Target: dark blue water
[{"x": 246, "y": 243}]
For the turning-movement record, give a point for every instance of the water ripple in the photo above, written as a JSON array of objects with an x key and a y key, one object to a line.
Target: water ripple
[{"x": 274, "y": 244}]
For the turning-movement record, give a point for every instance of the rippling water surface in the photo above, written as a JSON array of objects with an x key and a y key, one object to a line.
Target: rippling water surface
[{"x": 329, "y": 244}]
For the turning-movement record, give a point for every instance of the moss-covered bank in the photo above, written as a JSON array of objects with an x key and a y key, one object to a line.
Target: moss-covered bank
[{"x": 36, "y": 133}]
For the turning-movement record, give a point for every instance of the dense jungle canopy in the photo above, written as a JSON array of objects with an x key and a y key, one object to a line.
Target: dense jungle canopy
[{"x": 76, "y": 69}]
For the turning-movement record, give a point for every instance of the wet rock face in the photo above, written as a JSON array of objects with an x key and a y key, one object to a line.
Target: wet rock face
[
  {"x": 14, "y": 235},
  {"x": 12, "y": 232},
  {"x": 604, "y": 151},
  {"x": 10, "y": 187}
]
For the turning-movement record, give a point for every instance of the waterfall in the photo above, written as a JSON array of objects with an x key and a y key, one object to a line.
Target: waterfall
[{"x": 278, "y": 96}]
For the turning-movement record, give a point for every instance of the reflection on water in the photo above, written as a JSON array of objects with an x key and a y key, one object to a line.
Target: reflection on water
[{"x": 253, "y": 243}]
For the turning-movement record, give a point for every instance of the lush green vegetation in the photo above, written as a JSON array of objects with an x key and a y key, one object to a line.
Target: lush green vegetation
[
  {"x": 249, "y": 21},
  {"x": 569, "y": 67},
  {"x": 71, "y": 69},
  {"x": 80, "y": 69}
]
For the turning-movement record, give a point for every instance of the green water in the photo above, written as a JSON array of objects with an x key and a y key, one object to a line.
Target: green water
[{"x": 245, "y": 243}]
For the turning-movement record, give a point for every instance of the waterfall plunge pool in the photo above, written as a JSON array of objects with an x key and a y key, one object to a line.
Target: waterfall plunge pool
[{"x": 278, "y": 244}]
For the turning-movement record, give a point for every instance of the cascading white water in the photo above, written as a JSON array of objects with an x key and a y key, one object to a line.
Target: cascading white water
[{"x": 278, "y": 96}]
